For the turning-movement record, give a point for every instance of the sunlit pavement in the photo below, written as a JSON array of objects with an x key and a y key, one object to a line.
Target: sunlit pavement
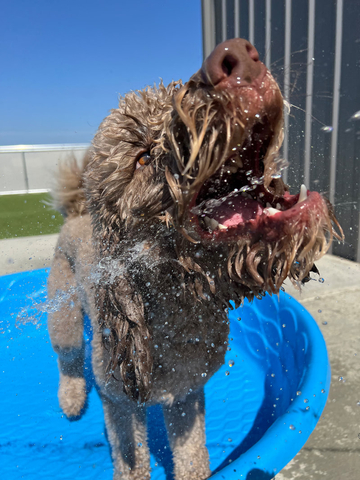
[
  {"x": 26, "y": 253},
  {"x": 333, "y": 450}
]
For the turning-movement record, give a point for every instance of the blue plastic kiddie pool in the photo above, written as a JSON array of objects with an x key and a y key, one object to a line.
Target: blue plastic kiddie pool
[{"x": 261, "y": 406}]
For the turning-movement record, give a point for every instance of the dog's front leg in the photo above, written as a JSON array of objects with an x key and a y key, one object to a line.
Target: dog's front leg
[
  {"x": 126, "y": 428},
  {"x": 185, "y": 423},
  {"x": 65, "y": 325}
]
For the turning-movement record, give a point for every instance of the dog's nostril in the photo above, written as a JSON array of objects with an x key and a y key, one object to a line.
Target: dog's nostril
[
  {"x": 252, "y": 52},
  {"x": 228, "y": 64}
]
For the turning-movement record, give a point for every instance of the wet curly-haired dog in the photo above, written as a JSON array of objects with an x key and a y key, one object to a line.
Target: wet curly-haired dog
[{"x": 178, "y": 209}]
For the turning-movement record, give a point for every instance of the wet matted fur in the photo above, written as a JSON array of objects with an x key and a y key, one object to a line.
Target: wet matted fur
[{"x": 179, "y": 207}]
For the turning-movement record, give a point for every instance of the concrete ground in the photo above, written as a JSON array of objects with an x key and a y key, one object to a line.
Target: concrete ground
[
  {"x": 26, "y": 253},
  {"x": 333, "y": 450}
]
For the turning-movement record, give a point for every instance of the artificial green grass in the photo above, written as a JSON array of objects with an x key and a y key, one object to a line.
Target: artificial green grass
[{"x": 25, "y": 215}]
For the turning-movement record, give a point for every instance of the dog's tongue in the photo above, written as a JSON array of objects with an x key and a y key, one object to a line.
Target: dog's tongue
[{"x": 236, "y": 210}]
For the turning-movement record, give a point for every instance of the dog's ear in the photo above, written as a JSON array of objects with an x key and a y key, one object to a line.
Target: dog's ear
[{"x": 125, "y": 335}]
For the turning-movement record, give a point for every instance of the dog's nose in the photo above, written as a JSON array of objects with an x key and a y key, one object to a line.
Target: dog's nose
[{"x": 233, "y": 63}]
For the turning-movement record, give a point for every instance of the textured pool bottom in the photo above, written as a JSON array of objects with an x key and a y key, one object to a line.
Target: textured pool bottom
[{"x": 261, "y": 406}]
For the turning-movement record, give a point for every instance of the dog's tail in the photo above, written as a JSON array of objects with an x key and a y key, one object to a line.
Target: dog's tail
[{"x": 68, "y": 196}]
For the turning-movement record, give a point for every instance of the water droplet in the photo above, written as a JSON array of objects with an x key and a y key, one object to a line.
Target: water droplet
[
  {"x": 257, "y": 181},
  {"x": 327, "y": 129},
  {"x": 273, "y": 374},
  {"x": 356, "y": 116},
  {"x": 283, "y": 325},
  {"x": 183, "y": 414},
  {"x": 306, "y": 400},
  {"x": 246, "y": 188},
  {"x": 61, "y": 437},
  {"x": 358, "y": 404},
  {"x": 319, "y": 311},
  {"x": 300, "y": 431},
  {"x": 341, "y": 379},
  {"x": 231, "y": 363},
  {"x": 321, "y": 280},
  {"x": 258, "y": 457},
  {"x": 324, "y": 323},
  {"x": 229, "y": 439},
  {"x": 106, "y": 332},
  {"x": 139, "y": 445},
  {"x": 239, "y": 319},
  {"x": 227, "y": 373},
  {"x": 298, "y": 392},
  {"x": 307, "y": 408},
  {"x": 204, "y": 374},
  {"x": 292, "y": 427},
  {"x": 322, "y": 390},
  {"x": 156, "y": 346}
]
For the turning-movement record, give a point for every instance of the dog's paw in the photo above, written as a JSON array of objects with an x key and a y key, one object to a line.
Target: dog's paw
[{"x": 72, "y": 395}]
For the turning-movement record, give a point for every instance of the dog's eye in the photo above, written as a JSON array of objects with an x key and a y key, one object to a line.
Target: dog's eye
[{"x": 143, "y": 160}]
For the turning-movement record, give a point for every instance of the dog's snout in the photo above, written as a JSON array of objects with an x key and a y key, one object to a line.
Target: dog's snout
[{"x": 232, "y": 64}]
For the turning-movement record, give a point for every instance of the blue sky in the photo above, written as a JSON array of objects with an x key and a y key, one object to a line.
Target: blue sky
[{"x": 65, "y": 63}]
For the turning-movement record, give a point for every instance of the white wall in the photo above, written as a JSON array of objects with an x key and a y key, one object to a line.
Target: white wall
[{"x": 25, "y": 168}]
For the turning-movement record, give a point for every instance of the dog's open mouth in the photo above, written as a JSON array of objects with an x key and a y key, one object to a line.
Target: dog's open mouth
[{"x": 238, "y": 201}]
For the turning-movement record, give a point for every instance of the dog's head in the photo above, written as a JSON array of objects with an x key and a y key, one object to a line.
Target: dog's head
[
  {"x": 196, "y": 168},
  {"x": 203, "y": 158}
]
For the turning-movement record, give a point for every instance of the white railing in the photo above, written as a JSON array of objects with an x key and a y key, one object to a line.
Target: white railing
[
  {"x": 31, "y": 168},
  {"x": 311, "y": 47}
]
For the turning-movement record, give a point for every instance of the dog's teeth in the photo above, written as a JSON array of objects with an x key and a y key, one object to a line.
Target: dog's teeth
[
  {"x": 213, "y": 224},
  {"x": 268, "y": 205},
  {"x": 261, "y": 194},
  {"x": 222, "y": 227},
  {"x": 278, "y": 206},
  {"x": 207, "y": 221},
  {"x": 303, "y": 194},
  {"x": 271, "y": 211}
]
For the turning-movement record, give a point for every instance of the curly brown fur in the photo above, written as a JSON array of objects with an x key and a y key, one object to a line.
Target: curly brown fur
[
  {"x": 140, "y": 255},
  {"x": 68, "y": 196}
]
